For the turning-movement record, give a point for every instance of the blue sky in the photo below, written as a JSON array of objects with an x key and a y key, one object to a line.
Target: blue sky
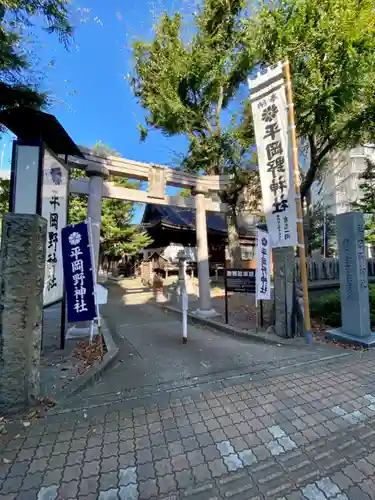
[{"x": 89, "y": 92}]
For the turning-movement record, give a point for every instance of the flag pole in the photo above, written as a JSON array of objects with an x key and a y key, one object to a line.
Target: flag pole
[{"x": 301, "y": 244}]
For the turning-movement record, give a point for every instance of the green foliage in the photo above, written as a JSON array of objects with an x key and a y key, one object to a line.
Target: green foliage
[
  {"x": 326, "y": 307},
  {"x": 366, "y": 204},
  {"x": 18, "y": 85},
  {"x": 118, "y": 236},
  {"x": 185, "y": 193},
  {"x": 4, "y": 196},
  {"x": 330, "y": 45},
  {"x": 186, "y": 87}
]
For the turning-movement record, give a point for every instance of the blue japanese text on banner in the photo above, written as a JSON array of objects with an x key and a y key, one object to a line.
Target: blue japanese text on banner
[{"x": 79, "y": 282}]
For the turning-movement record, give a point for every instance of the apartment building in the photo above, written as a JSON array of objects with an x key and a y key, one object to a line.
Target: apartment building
[{"x": 340, "y": 187}]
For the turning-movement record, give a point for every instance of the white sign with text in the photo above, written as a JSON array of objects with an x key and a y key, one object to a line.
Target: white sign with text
[
  {"x": 263, "y": 266},
  {"x": 268, "y": 101},
  {"x": 54, "y": 209}
]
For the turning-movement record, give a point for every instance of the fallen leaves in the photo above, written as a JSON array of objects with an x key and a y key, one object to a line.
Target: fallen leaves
[
  {"x": 26, "y": 419},
  {"x": 87, "y": 354},
  {"x": 319, "y": 330}
]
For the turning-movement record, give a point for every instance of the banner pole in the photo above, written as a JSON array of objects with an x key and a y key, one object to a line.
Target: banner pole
[
  {"x": 226, "y": 292},
  {"x": 301, "y": 244},
  {"x": 88, "y": 222}
]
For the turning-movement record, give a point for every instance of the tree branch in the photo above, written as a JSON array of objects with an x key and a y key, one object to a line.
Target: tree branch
[
  {"x": 312, "y": 146},
  {"x": 314, "y": 164},
  {"x": 326, "y": 149}
]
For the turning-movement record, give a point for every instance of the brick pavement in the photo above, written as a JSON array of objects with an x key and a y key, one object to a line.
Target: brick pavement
[
  {"x": 307, "y": 434},
  {"x": 152, "y": 357}
]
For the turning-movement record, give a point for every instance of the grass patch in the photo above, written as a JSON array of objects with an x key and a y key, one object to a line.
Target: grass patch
[{"x": 326, "y": 308}]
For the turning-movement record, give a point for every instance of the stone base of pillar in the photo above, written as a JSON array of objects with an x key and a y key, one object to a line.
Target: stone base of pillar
[
  {"x": 365, "y": 341},
  {"x": 75, "y": 332},
  {"x": 160, "y": 297},
  {"x": 283, "y": 286},
  {"x": 190, "y": 286},
  {"x": 206, "y": 314}
]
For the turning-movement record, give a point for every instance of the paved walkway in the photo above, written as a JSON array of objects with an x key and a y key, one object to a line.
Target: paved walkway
[
  {"x": 308, "y": 434},
  {"x": 153, "y": 358},
  {"x": 258, "y": 423}
]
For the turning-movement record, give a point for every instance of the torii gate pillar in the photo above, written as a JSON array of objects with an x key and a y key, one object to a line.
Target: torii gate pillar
[
  {"x": 97, "y": 175},
  {"x": 205, "y": 307}
]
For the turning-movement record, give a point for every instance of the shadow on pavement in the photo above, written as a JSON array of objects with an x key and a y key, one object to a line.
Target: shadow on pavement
[{"x": 154, "y": 361}]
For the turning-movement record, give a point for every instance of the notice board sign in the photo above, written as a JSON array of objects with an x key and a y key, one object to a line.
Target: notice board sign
[{"x": 240, "y": 280}]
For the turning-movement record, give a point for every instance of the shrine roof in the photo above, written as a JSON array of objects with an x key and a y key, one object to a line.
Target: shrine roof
[{"x": 184, "y": 218}]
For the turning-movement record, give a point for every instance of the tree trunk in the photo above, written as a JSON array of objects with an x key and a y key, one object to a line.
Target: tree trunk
[{"x": 233, "y": 238}]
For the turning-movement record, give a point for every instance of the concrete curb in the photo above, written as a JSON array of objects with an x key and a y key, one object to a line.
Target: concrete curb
[
  {"x": 231, "y": 330},
  {"x": 95, "y": 372}
]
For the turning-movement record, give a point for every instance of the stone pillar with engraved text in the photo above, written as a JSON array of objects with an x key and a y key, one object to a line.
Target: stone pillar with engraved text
[{"x": 22, "y": 269}]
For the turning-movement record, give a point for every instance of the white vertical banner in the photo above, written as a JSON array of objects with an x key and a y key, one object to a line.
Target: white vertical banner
[
  {"x": 269, "y": 108},
  {"x": 54, "y": 209},
  {"x": 263, "y": 266}
]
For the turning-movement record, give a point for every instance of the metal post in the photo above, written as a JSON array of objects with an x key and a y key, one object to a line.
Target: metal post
[
  {"x": 325, "y": 239},
  {"x": 302, "y": 253},
  {"x": 226, "y": 293},
  {"x": 185, "y": 306},
  {"x": 63, "y": 302},
  {"x": 94, "y": 276},
  {"x": 63, "y": 321}
]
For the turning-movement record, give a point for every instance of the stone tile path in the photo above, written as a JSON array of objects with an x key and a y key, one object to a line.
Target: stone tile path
[
  {"x": 216, "y": 419},
  {"x": 309, "y": 435},
  {"x": 153, "y": 359}
]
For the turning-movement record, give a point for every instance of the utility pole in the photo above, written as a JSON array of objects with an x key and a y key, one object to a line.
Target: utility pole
[{"x": 325, "y": 239}]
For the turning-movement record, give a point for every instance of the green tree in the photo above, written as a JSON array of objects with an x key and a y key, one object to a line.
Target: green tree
[
  {"x": 330, "y": 45},
  {"x": 118, "y": 236},
  {"x": 185, "y": 193},
  {"x": 4, "y": 196},
  {"x": 366, "y": 203},
  {"x": 17, "y": 84},
  {"x": 186, "y": 86}
]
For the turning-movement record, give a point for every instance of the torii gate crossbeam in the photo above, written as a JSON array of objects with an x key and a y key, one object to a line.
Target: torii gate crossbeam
[{"x": 98, "y": 168}]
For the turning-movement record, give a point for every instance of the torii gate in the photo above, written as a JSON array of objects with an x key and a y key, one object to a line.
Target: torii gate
[
  {"x": 98, "y": 168},
  {"x": 37, "y": 128}
]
